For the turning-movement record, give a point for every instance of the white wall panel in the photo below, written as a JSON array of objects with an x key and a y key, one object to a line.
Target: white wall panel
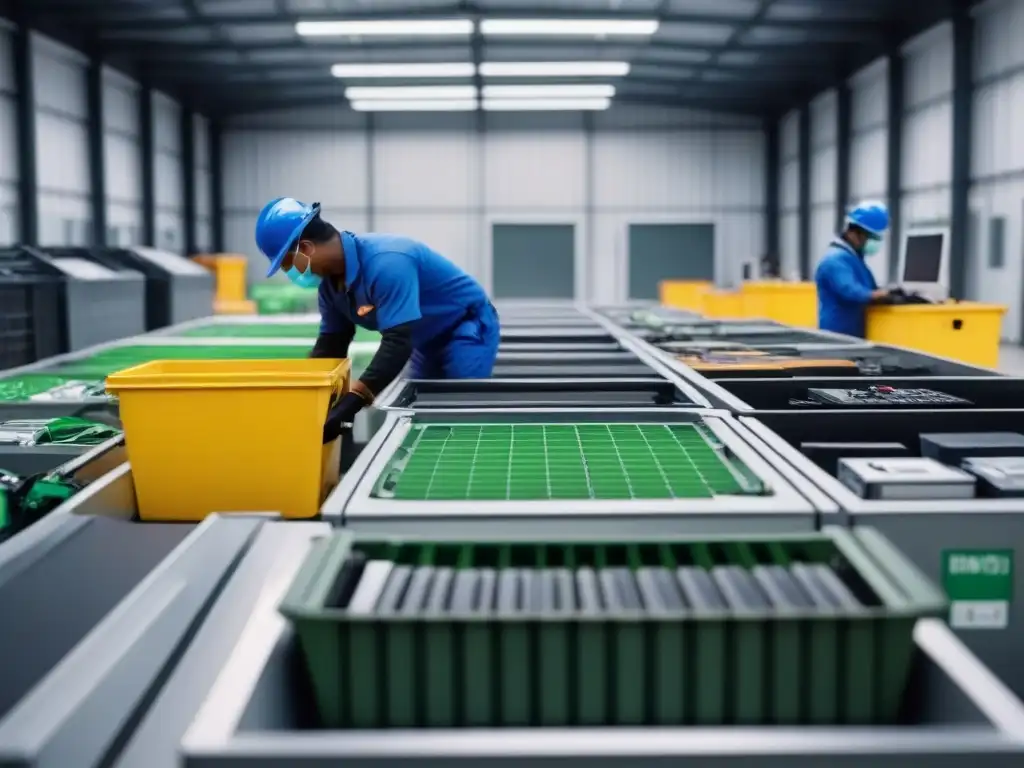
[
  {"x": 789, "y": 245},
  {"x": 438, "y": 179},
  {"x": 869, "y": 157},
  {"x": 122, "y": 158},
  {"x": 167, "y": 174},
  {"x": 928, "y": 68},
  {"x": 824, "y": 166},
  {"x": 869, "y": 89},
  {"x": 998, "y": 158},
  {"x": 8, "y": 143},
  {"x": 789, "y": 133},
  {"x": 928, "y": 146},
  {"x": 201, "y": 174},
  {"x": 62, "y": 143}
]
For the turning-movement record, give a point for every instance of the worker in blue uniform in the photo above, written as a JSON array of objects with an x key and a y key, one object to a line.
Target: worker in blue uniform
[
  {"x": 845, "y": 284},
  {"x": 429, "y": 312}
]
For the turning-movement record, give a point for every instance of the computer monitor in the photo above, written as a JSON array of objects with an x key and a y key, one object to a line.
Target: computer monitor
[{"x": 924, "y": 263}]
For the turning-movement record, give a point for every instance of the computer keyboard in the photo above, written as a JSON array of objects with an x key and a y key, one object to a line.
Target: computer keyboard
[{"x": 883, "y": 396}]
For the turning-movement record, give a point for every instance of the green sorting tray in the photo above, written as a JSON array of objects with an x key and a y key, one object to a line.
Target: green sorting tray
[
  {"x": 417, "y": 633},
  {"x": 535, "y": 462},
  {"x": 268, "y": 331}
]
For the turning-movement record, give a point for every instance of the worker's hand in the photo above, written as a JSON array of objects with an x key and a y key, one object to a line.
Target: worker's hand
[
  {"x": 342, "y": 413},
  {"x": 880, "y": 293}
]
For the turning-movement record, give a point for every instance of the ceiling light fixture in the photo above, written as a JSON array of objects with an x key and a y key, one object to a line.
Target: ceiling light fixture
[
  {"x": 554, "y": 68},
  {"x": 388, "y": 28},
  {"x": 410, "y": 105},
  {"x": 367, "y": 71},
  {"x": 545, "y": 105},
  {"x": 570, "y": 27},
  {"x": 416, "y": 93},
  {"x": 548, "y": 91}
]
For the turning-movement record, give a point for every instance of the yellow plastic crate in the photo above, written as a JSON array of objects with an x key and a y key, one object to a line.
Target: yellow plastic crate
[
  {"x": 722, "y": 305},
  {"x": 789, "y": 303},
  {"x": 208, "y": 436},
  {"x": 964, "y": 331},
  {"x": 230, "y": 273},
  {"x": 682, "y": 294}
]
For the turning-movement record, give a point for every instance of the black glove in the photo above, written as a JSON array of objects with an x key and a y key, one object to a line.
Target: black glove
[{"x": 342, "y": 413}]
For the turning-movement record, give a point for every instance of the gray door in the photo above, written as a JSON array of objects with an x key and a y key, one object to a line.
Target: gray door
[
  {"x": 669, "y": 252},
  {"x": 533, "y": 261}
]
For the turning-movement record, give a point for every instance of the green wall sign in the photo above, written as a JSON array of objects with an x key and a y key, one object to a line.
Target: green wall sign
[{"x": 979, "y": 584}]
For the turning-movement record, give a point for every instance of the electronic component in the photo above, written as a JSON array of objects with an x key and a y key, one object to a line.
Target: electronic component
[
  {"x": 953, "y": 447},
  {"x": 885, "y": 397},
  {"x": 827, "y": 455},
  {"x": 998, "y": 476},
  {"x": 902, "y": 479}
]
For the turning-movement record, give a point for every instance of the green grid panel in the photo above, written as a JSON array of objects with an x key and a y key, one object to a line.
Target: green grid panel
[
  {"x": 268, "y": 331},
  {"x": 536, "y": 462}
]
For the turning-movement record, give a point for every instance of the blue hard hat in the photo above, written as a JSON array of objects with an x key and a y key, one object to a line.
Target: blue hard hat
[
  {"x": 872, "y": 217},
  {"x": 279, "y": 225}
]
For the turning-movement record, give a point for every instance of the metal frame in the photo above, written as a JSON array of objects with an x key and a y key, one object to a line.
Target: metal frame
[
  {"x": 230, "y": 681},
  {"x": 352, "y": 505},
  {"x": 113, "y": 668},
  {"x": 726, "y": 399},
  {"x": 396, "y": 394},
  {"x": 103, "y": 467},
  {"x": 922, "y": 530}
]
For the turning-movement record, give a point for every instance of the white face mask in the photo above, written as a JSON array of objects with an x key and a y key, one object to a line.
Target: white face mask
[{"x": 871, "y": 247}]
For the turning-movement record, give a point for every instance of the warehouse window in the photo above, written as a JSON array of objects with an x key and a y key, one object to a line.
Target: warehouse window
[
  {"x": 668, "y": 252},
  {"x": 996, "y": 242}
]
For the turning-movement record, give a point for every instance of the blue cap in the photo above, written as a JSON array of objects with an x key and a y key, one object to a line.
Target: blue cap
[
  {"x": 279, "y": 225},
  {"x": 872, "y": 217}
]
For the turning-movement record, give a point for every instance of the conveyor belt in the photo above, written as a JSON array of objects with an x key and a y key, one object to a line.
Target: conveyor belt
[
  {"x": 570, "y": 371},
  {"x": 51, "y": 605}
]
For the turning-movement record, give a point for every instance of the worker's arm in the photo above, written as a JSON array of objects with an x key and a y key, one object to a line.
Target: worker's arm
[
  {"x": 336, "y": 332},
  {"x": 843, "y": 282},
  {"x": 396, "y": 295}
]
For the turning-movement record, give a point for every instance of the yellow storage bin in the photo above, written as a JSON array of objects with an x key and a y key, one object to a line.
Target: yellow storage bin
[
  {"x": 682, "y": 294},
  {"x": 722, "y": 305},
  {"x": 964, "y": 331},
  {"x": 208, "y": 436},
  {"x": 789, "y": 303},
  {"x": 230, "y": 271}
]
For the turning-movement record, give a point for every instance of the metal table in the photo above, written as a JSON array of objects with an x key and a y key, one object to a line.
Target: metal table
[
  {"x": 234, "y": 698},
  {"x": 922, "y": 529},
  {"x": 356, "y": 502}
]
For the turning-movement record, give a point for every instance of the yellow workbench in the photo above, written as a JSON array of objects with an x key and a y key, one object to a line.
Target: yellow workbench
[
  {"x": 722, "y": 305},
  {"x": 789, "y": 303},
  {"x": 966, "y": 331},
  {"x": 683, "y": 294}
]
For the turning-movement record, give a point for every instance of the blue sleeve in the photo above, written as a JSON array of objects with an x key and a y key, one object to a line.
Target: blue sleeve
[
  {"x": 843, "y": 282},
  {"x": 396, "y": 290},
  {"x": 331, "y": 320}
]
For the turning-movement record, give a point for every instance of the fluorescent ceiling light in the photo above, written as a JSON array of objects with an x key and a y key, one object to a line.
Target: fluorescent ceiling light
[
  {"x": 454, "y": 69},
  {"x": 410, "y": 105},
  {"x": 554, "y": 68},
  {"x": 412, "y": 92},
  {"x": 389, "y": 27},
  {"x": 570, "y": 27},
  {"x": 549, "y": 91},
  {"x": 545, "y": 105}
]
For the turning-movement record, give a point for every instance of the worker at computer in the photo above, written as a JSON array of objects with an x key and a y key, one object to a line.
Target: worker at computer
[{"x": 845, "y": 284}]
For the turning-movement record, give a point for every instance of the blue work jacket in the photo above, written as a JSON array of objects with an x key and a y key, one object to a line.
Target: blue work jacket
[{"x": 845, "y": 285}]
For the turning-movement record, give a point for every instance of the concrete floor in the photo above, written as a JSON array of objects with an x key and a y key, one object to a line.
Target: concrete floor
[{"x": 1011, "y": 359}]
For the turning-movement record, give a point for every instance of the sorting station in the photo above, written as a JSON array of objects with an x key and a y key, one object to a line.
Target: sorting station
[{"x": 644, "y": 540}]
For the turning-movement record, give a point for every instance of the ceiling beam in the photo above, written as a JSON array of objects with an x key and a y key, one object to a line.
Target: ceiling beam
[
  {"x": 229, "y": 107},
  {"x": 857, "y": 27},
  {"x": 802, "y": 51}
]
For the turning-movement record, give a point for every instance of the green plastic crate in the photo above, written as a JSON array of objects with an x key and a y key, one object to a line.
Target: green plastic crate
[{"x": 407, "y": 634}]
